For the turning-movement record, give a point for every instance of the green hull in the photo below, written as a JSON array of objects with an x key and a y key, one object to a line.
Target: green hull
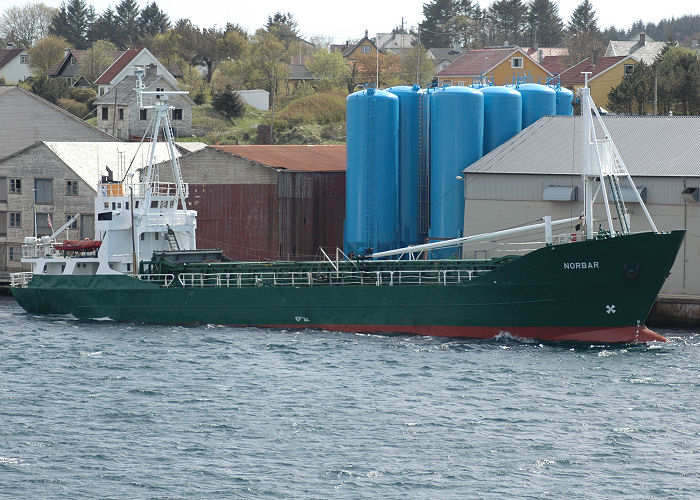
[{"x": 599, "y": 290}]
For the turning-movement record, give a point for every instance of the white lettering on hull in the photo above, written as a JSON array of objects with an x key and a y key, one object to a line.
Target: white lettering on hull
[{"x": 581, "y": 265}]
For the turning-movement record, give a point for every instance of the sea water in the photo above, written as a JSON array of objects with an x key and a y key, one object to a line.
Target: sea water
[{"x": 103, "y": 409}]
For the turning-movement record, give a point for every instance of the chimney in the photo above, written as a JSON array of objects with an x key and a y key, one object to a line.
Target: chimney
[
  {"x": 366, "y": 34},
  {"x": 642, "y": 39},
  {"x": 66, "y": 51},
  {"x": 456, "y": 47},
  {"x": 539, "y": 55},
  {"x": 594, "y": 57},
  {"x": 10, "y": 45}
]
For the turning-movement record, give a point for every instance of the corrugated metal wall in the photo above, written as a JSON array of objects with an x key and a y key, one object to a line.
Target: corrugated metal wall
[
  {"x": 311, "y": 213},
  {"x": 241, "y": 219},
  {"x": 287, "y": 220}
]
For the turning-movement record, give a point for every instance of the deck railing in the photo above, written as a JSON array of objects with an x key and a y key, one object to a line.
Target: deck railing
[
  {"x": 21, "y": 280},
  {"x": 160, "y": 279},
  {"x": 330, "y": 278}
]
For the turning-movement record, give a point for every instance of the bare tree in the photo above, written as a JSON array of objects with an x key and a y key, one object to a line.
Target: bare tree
[{"x": 26, "y": 24}]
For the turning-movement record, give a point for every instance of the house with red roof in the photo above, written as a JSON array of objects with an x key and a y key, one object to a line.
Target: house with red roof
[
  {"x": 14, "y": 64},
  {"x": 125, "y": 65},
  {"x": 502, "y": 65},
  {"x": 606, "y": 73}
]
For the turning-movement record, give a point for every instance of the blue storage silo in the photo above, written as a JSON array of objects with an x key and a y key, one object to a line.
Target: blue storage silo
[
  {"x": 371, "y": 201},
  {"x": 565, "y": 101},
  {"x": 456, "y": 141},
  {"x": 503, "y": 115},
  {"x": 412, "y": 172},
  {"x": 538, "y": 101}
]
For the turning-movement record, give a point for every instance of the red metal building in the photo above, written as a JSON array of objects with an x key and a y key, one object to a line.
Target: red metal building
[{"x": 268, "y": 202}]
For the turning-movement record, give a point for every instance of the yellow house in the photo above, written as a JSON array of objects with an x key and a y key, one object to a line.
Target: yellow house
[
  {"x": 606, "y": 74},
  {"x": 352, "y": 51},
  {"x": 503, "y": 64}
]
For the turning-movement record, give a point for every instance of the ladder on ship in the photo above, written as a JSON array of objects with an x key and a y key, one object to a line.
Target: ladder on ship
[{"x": 171, "y": 239}]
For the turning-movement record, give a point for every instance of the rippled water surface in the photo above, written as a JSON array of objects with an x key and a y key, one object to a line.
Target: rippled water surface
[{"x": 101, "y": 409}]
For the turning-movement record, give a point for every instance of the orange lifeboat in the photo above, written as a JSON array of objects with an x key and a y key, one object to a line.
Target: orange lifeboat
[{"x": 86, "y": 245}]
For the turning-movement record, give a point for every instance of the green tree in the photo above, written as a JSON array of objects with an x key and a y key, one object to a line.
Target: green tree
[
  {"x": 166, "y": 47},
  {"x": 583, "y": 19},
  {"x": 634, "y": 93},
  {"x": 97, "y": 59},
  {"x": 544, "y": 23},
  {"x": 327, "y": 67},
  {"x": 46, "y": 53},
  {"x": 437, "y": 14},
  {"x": 27, "y": 24},
  {"x": 679, "y": 80},
  {"x": 153, "y": 21},
  {"x": 509, "y": 20},
  {"x": 104, "y": 27},
  {"x": 283, "y": 27},
  {"x": 583, "y": 35},
  {"x": 415, "y": 63},
  {"x": 51, "y": 89},
  {"x": 71, "y": 22},
  {"x": 228, "y": 103},
  {"x": 268, "y": 57},
  {"x": 126, "y": 21}
]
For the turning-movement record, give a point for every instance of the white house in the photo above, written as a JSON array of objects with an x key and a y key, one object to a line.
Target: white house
[
  {"x": 124, "y": 66},
  {"x": 14, "y": 64}
]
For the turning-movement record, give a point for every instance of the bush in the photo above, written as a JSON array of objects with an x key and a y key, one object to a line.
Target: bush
[
  {"x": 328, "y": 107},
  {"x": 228, "y": 103},
  {"x": 51, "y": 89},
  {"x": 79, "y": 109},
  {"x": 82, "y": 94}
]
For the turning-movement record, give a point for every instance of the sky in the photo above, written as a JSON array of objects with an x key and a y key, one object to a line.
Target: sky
[{"x": 343, "y": 20}]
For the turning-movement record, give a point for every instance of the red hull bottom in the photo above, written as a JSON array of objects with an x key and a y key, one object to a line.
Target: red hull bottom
[{"x": 626, "y": 334}]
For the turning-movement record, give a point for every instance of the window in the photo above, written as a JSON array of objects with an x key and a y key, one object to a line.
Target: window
[
  {"x": 102, "y": 92},
  {"x": 71, "y": 188},
  {"x": 74, "y": 225},
  {"x": 43, "y": 228},
  {"x": 43, "y": 191},
  {"x": 105, "y": 113},
  {"x": 366, "y": 49},
  {"x": 177, "y": 114},
  {"x": 72, "y": 61},
  {"x": 121, "y": 113},
  {"x": 15, "y": 219},
  {"x": 15, "y": 253},
  {"x": 516, "y": 62},
  {"x": 460, "y": 83},
  {"x": 629, "y": 68},
  {"x": 156, "y": 236},
  {"x": 143, "y": 114},
  {"x": 143, "y": 236},
  {"x": 24, "y": 59},
  {"x": 159, "y": 89},
  {"x": 15, "y": 186}
]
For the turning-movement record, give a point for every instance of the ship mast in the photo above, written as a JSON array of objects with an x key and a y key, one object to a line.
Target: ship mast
[
  {"x": 161, "y": 121},
  {"x": 602, "y": 163}
]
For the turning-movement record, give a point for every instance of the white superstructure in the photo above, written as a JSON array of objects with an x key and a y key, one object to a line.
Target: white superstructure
[{"x": 133, "y": 216}]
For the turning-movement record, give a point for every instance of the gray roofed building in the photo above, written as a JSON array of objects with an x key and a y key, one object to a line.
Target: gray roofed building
[
  {"x": 397, "y": 43},
  {"x": 444, "y": 56},
  {"x": 643, "y": 48},
  {"x": 27, "y": 118},
  {"x": 649, "y": 145},
  {"x": 537, "y": 173}
]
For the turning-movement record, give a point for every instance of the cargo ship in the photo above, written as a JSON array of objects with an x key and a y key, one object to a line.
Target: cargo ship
[{"x": 147, "y": 268}]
